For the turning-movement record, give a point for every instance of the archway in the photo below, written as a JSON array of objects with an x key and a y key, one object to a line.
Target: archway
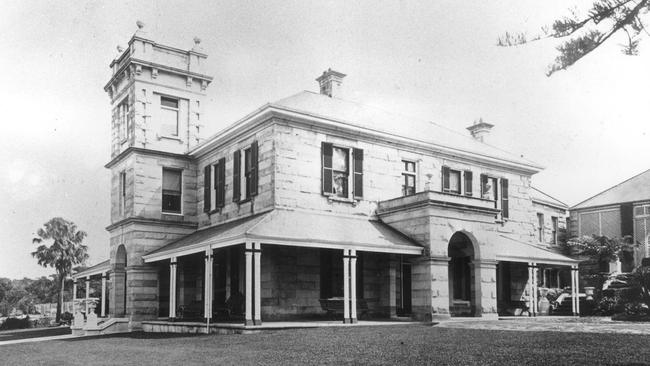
[
  {"x": 119, "y": 282},
  {"x": 462, "y": 294}
]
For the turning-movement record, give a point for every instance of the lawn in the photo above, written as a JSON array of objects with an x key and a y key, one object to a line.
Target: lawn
[{"x": 401, "y": 344}]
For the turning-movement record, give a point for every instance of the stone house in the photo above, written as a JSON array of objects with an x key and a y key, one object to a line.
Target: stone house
[
  {"x": 308, "y": 204},
  {"x": 619, "y": 211}
]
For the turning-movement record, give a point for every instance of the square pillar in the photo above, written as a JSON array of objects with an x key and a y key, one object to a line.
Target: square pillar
[
  {"x": 430, "y": 288},
  {"x": 87, "y": 292},
  {"x": 74, "y": 290},
  {"x": 392, "y": 287},
  {"x": 253, "y": 253},
  {"x": 118, "y": 292},
  {"x": 103, "y": 312},
  {"x": 257, "y": 284},
  {"x": 172, "y": 288},
  {"x": 346, "y": 286},
  {"x": 248, "y": 253},
  {"x": 485, "y": 288},
  {"x": 207, "y": 285},
  {"x": 353, "y": 286}
]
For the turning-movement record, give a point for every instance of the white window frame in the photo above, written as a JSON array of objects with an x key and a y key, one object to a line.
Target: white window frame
[
  {"x": 178, "y": 114},
  {"x": 406, "y": 173}
]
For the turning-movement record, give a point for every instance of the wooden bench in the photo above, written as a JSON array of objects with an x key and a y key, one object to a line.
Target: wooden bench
[{"x": 334, "y": 306}]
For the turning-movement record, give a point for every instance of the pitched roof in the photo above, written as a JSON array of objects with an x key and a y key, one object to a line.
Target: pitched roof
[
  {"x": 93, "y": 270},
  {"x": 634, "y": 189},
  {"x": 546, "y": 199},
  {"x": 377, "y": 119},
  {"x": 298, "y": 228},
  {"x": 513, "y": 250}
]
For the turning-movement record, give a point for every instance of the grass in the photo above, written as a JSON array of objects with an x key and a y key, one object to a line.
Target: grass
[{"x": 408, "y": 344}]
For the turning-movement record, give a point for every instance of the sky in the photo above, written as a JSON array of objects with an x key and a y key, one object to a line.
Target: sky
[{"x": 435, "y": 61}]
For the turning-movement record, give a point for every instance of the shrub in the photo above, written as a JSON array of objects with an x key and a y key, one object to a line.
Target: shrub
[
  {"x": 15, "y": 323},
  {"x": 66, "y": 318}
]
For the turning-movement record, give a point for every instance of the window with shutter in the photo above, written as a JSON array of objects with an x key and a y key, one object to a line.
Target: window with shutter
[
  {"x": 505, "y": 212},
  {"x": 467, "y": 175},
  {"x": 326, "y": 150},
  {"x": 337, "y": 174},
  {"x": 236, "y": 176},
  {"x": 450, "y": 180},
  {"x": 206, "y": 188},
  {"x": 220, "y": 183},
  {"x": 357, "y": 154}
]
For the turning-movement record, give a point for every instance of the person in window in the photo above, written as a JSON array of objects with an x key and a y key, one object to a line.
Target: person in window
[{"x": 488, "y": 191}]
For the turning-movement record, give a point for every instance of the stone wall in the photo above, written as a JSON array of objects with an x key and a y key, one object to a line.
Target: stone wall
[
  {"x": 299, "y": 185},
  {"x": 549, "y": 212},
  {"x": 232, "y": 210}
]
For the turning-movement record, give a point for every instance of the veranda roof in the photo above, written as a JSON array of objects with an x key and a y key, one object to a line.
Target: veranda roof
[
  {"x": 513, "y": 250},
  {"x": 294, "y": 228},
  {"x": 98, "y": 268}
]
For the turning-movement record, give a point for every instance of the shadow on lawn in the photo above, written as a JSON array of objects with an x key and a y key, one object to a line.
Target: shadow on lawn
[{"x": 136, "y": 335}]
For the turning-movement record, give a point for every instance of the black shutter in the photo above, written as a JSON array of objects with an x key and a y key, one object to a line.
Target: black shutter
[
  {"x": 468, "y": 183},
  {"x": 445, "y": 179},
  {"x": 326, "y": 149},
  {"x": 236, "y": 176},
  {"x": 253, "y": 174},
  {"x": 484, "y": 180},
  {"x": 206, "y": 189},
  {"x": 504, "y": 198},
  {"x": 358, "y": 173},
  {"x": 220, "y": 179}
]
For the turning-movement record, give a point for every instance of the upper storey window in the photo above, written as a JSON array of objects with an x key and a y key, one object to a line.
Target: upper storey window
[
  {"x": 496, "y": 189},
  {"x": 642, "y": 210},
  {"x": 169, "y": 116},
  {"x": 245, "y": 173},
  {"x": 171, "y": 191},
  {"x": 408, "y": 176},
  {"x": 342, "y": 171},
  {"x": 450, "y": 180}
]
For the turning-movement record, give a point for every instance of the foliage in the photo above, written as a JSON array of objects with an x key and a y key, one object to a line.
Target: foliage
[
  {"x": 25, "y": 293},
  {"x": 640, "y": 284},
  {"x": 584, "y": 33},
  {"x": 65, "y": 251},
  {"x": 599, "y": 248},
  {"x": 16, "y": 323}
]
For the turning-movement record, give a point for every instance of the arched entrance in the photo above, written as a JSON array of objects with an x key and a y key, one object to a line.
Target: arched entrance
[
  {"x": 462, "y": 299},
  {"x": 119, "y": 283}
]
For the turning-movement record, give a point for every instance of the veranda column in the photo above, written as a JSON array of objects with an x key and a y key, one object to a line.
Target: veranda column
[
  {"x": 530, "y": 289},
  {"x": 353, "y": 286},
  {"x": 577, "y": 291},
  {"x": 248, "y": 252},
  {"x": 103, "y": 313},
  {"x": 573, "y": 291},
  {"x": 257, "y": 284},
  {"x": 87, "y": 292},
  {"x": 346, "y": 286},
  {"x": 172, "y": 288},
  {"x": 74, "y": 290},
  {"x": 207, "y": 295},
  {"x": 535, "y": 286}
]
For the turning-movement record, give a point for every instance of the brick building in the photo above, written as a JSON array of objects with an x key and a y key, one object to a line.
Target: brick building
[
  {"x": 621, "y": 210},
  {"x": 308, "y": 203}
]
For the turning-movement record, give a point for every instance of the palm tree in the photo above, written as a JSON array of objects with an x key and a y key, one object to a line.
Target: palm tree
[{"x": 65, "y": 251}]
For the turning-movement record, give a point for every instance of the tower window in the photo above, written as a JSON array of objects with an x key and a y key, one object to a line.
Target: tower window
[
  {"x": 171, "y": 191},
  {"x": 123, "y": 120},
  {"x": 169, "y": 120}
]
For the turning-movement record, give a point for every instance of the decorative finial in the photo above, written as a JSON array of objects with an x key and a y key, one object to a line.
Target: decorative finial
[
  {"x": 140, "y": 24},
  {"x": 197, "y": 41},
  {"x": 120, "y": 48}
]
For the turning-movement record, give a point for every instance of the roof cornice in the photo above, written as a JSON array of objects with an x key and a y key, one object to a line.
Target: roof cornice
[{"x": 139, "y": 150}]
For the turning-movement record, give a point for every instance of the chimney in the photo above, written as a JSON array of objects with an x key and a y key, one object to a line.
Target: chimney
[
  {"x": 331, "y": 83},
  {"x": 480, "y": 129}
]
